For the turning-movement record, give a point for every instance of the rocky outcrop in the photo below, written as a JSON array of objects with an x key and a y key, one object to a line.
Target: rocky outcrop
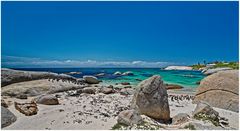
[
  {"x": 100, "y": 74},
  {"x": 117, "y": 73},
  {"x": 178, "y": 68},
  {"x": 215, "y": 70},
  {"x": 9, "y": 76},
  {"x": 129, "y": 117},
  {"x": 173, "y": 86},
  {"x": 220, "y": 90},
  {"x": 27, "y": 109},
  {"x": 151, "y": 99},
  {"x": 47, "y": 100},
  {"x": 91, "y": 79},
  {"x": 7, "y": 117},
  {"x": 128, "y": 73},
  {"x": 37, "y": 87}
]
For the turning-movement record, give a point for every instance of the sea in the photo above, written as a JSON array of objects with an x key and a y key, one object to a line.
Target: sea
[{"x": 187, "y": 79}]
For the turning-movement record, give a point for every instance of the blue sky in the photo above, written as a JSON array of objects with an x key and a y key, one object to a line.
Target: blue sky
[{"x": 141, "y": 34}]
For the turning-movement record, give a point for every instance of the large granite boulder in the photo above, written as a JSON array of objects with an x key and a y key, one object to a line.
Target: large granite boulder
[
  {"x": 37, "y": 87},
  {"x": 173, "y": 86},
  {"x": 128, "y": 73},
  {"x": 9, "y": 76},
  {"x": 151, "y": 99},
  {"x": 215, "y": 70},
  {"x": 220, "y": 90},
  {"x": 7, "y": 117},
  {"x": 91, "y": 79}
]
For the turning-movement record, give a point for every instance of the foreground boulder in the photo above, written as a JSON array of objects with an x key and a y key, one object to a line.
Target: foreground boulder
[
  {"x": 37, "y": 87},
  {"x": 204, "y": 111},
  {"x": 7, "y": 117},
  {"x": 27, "y": 109},
  {"x": 9, "y": 76},
  {"x": 151, "y": 99},
  {"x": 220, "y": 90},
  {"x": 47, "y": 100},
  {"x": 91, "y": 79},
  {"x": 215, "y": 70},
  {"x": 129, "y": 117}
]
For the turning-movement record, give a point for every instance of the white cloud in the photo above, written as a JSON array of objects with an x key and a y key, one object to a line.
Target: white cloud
[{"x": 15, "y": 62}]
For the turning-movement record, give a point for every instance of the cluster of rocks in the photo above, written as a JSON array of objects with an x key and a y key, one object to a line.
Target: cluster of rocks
[
  {"x": 151, "y": 100},
  {"x": 128, "y": 73}
]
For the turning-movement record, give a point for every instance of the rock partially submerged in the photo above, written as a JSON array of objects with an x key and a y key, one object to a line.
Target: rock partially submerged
[
  {"x": 91, "y": 79},
  {"x": 128, "y": 73},
  {"x": 215, "y": 70},
  {"x": 27, "y": 109},
  {"x": 151, "y": 99},
  {"x": 118, "y": 73},
  {"x": 9, "y": 76},
  {"x": 7, "y": 117},
  {"x": 173, "y": 86},
  {"x": 220, "y": 90}
]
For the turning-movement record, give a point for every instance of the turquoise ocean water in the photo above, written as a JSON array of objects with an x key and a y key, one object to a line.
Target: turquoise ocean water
[{"x": 187, "y": 79}]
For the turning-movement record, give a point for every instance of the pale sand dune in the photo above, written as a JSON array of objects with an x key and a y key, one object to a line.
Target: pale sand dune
[{"x": 49, "y": 116}]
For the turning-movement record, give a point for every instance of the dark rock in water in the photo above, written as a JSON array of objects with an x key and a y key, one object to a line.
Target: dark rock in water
[
  {"x": 173, "y": 86},
  {"x": 151, "y": 99},
  {"x": 129, "y": 117},
  {"x": 138, "y": 79},
  {"x": 147, "y": 75},
  {"x": 180, "y": 118},
  {"x": 220, "y": 90},
  {"x": 198, "y": 82},
  {"x": 4, "y": 104},
  {"x": 47, "y": 100},
  {"x": 125, "y": 83},
  {"x": 7, "y": 117},
  {"x": 21, "y": 96},
  {"x": 27, "y": 108}
]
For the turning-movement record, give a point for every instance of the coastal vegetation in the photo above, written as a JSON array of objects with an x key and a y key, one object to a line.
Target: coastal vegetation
[{"x": 216, "y": 64}]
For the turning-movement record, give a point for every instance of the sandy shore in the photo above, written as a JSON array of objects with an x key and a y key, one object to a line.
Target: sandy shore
[{"x": 93, "y": 112}]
